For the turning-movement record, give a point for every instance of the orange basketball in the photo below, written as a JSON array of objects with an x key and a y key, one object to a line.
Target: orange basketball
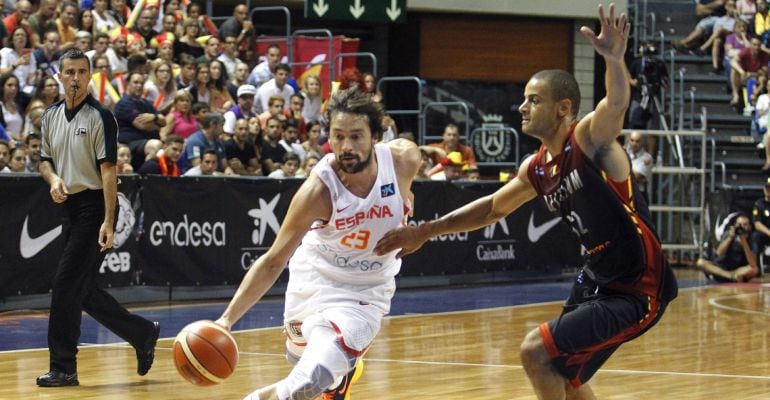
[{"x": 205, "y": 353}]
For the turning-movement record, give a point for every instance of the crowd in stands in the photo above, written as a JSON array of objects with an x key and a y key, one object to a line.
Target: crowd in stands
[{"x": 190, "y": 98}]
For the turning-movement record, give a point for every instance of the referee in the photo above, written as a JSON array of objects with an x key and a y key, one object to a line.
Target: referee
[{"x": 78, "y": 156}]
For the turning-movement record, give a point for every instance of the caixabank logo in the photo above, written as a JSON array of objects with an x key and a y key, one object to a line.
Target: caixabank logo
[{"x": 265, "y": 221}]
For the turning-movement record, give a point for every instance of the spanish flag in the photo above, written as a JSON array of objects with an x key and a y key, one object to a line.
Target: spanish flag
[{"x": 103, "y": 88}]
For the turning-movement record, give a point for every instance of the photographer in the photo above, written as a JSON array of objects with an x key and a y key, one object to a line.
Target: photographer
[
  {"x": 736, "y": 254},
  {"x": 648, "y": 75}
]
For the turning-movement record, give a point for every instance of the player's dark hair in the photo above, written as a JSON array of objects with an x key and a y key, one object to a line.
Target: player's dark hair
[
  {"x": 355, "y": 101},
  {"x": 563, "y": 86}
]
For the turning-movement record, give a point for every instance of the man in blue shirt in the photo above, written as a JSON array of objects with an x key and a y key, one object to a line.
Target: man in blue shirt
[{"x": 139, "y": 122}]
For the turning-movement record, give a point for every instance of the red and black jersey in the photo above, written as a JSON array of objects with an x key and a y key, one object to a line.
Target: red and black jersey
[{"x": 620, "y": 248}]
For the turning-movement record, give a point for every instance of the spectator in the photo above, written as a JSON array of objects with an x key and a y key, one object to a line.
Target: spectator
[
  {"x": 187, "y": 44},
  {"x": 17, "y": 58},
  {"x": 83, "y": 41},
  {"x": 265, "y": 70},
  {"x": 165, "y": 163},
  {"x": 33, "y": 121},
  {"x": 229, "y": 56},
  {"x": 762, "y": 21},
  {"x": 10, "y": 113},
  {"x": 47, "y": 93},
  {"x": 238, "y": 27},
  {"x": 42, "y": 20},
  {"x": 165, "y": 45},
  {"x": 238, "y": 79},
  {"x": 119, "y": 11},
  {"x": 108, "y": 95},
  {"x": 310, "y": 161},
  {"x": 188, "y": 72},
  {"x": 472, "y": 174},
  {"x": 243, "y": 110},
  {"x": 220, "y": 97},
  {"x": 5, "y": 156},
  {"x": 85, "y": 21},
  {"x": 294, "y": 111},
  {"x": 708, "y": 11},
  {"x": 160, "y": 88},
  {"x": 350, "y": 77},
  {"x": 144, "y": 25},
  {"x": 101, "y": 44},
  {"x": 290, "y": 138},
  {"x": 32, "y": 151},
  {"x": 124, "y": 160},
  {"x": 19, "y": 17},
  {"x": 451, "y": 142},
  {"x": 750, "y": 63},
  {"x": 207, "y": 166},
  {"x": 761, "y": 219},
  {"x": 274, "y": 87},
  {"x": 370, "y": 86},
  {"x": 18, "y": 161},
  {"x": 746, "y": 10},
  {"x": 451, "y": 168},
  {"x": 241, "y": 155},
  {"x": 272, "y": 152},
  {"x": 723, "y": 26},
  {"x": 311, "y": 110},
  {"x": 181, "y": 121},
  {"x": 118, "y": 53},
  {"x": 312, "y": 145},
  {"x": 135, "y": 45},
  {"x": 47, "y": 56},
  {"x": 734, "y": 43},
  {"x": 275, "y": 109},
  {"x": 138, "y": 121},
  {"x": 104, "y": 21},
  {"x": 199, "y": 111},
  {"x": 207, "y": 138},
  {"x": 65, "y": 24},
  {"x": 289, "y": 166},
  {"x": 641, "y": 162},
  {"x": 736, "y": 254},
  {"x": 210, "y": 50},
  {"x": 200, "y": 88}
]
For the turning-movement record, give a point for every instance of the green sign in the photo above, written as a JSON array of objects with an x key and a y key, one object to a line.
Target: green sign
[{"x": 357, "y": 10}]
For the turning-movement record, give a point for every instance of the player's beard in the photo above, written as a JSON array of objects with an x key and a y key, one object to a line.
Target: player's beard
[{"x": 357, "y": 167}]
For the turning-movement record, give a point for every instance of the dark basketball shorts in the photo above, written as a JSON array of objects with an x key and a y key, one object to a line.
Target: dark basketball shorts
[{"x": 593, "y": 324}]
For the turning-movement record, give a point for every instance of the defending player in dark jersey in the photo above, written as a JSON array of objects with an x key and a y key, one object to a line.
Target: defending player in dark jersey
[{"x": 583, "y": 175}]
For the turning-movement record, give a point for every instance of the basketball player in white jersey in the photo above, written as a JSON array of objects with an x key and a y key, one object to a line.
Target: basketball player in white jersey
[{"x": 338, "y": 289}]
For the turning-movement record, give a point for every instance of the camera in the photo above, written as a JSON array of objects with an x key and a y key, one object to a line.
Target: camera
[
  {"x": 648, "y": 49},
  {"x": 739, "y": 230}
]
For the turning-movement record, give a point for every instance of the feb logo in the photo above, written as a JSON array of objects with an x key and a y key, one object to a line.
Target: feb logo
[
  {"x": 80, "y": 132},
  {"x": 493, "y": 141}
]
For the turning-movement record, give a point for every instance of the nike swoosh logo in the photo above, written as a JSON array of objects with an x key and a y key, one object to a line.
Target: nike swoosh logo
[
  {"x": 536, "y": 232},
  {"x": 719, "y": 229},
  {"x": 29, "y": 246},
  {"x": 339, "y": 210}
]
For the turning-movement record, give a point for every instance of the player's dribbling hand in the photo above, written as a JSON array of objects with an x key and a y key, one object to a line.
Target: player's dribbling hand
[{"x": 407, "y": 239}]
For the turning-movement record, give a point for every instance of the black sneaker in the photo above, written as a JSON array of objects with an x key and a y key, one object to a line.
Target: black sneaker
[
  {"x": 146, "y": 355},
  {"x": 57, "y": 379}
]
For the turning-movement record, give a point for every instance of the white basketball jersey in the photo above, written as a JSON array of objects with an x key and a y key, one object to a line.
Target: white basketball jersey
[{"x": 335, "y": 263}]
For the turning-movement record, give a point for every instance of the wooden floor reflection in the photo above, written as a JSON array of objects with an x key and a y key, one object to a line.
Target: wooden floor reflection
[{"x": 713, "y": 343}]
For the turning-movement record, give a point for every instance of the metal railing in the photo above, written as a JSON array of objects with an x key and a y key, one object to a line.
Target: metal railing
[{"x": 435, "y": 104}]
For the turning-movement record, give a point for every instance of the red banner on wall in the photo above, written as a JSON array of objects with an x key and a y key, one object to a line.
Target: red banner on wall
[{"x": 311, "y": 55}]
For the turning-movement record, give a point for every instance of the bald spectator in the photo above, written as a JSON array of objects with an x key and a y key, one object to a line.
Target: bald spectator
[
  {"x": 641, "y": 161},
  {"x": 450, "y": 143},
  {"x": 19, "y": 17},
  {"x": 241, "y": 154},
  {"x": 238, "y": 79},
  {"x": 238, "y": 25}
]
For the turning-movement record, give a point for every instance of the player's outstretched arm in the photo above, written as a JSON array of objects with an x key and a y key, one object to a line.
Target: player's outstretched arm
[
  {"x": 310, "y": 203},
  {"x": 604, "y": 125},
  {"x": 472, "y": 216}
]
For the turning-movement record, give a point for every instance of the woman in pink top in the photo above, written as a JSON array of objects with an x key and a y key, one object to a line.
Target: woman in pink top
[{"x": 180, "y": 120}]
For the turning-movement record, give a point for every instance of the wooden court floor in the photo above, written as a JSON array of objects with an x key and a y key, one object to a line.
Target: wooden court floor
[{"x": 713, "y": 343}]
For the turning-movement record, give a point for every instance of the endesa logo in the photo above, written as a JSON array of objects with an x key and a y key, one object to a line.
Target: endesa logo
[
  {"x": 451, "y": 237},
  {"x": 188, "y": 233},
  {"x": 376, "y": 212}
]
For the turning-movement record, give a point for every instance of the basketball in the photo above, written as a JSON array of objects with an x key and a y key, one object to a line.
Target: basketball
[{"x": 205, "y": 353}]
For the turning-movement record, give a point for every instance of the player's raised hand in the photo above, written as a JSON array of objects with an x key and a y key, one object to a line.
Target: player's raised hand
[{"x": 611, "y": 41}]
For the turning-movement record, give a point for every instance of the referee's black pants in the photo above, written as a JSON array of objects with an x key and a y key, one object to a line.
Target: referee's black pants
[{"x": 75, "y": 289}]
